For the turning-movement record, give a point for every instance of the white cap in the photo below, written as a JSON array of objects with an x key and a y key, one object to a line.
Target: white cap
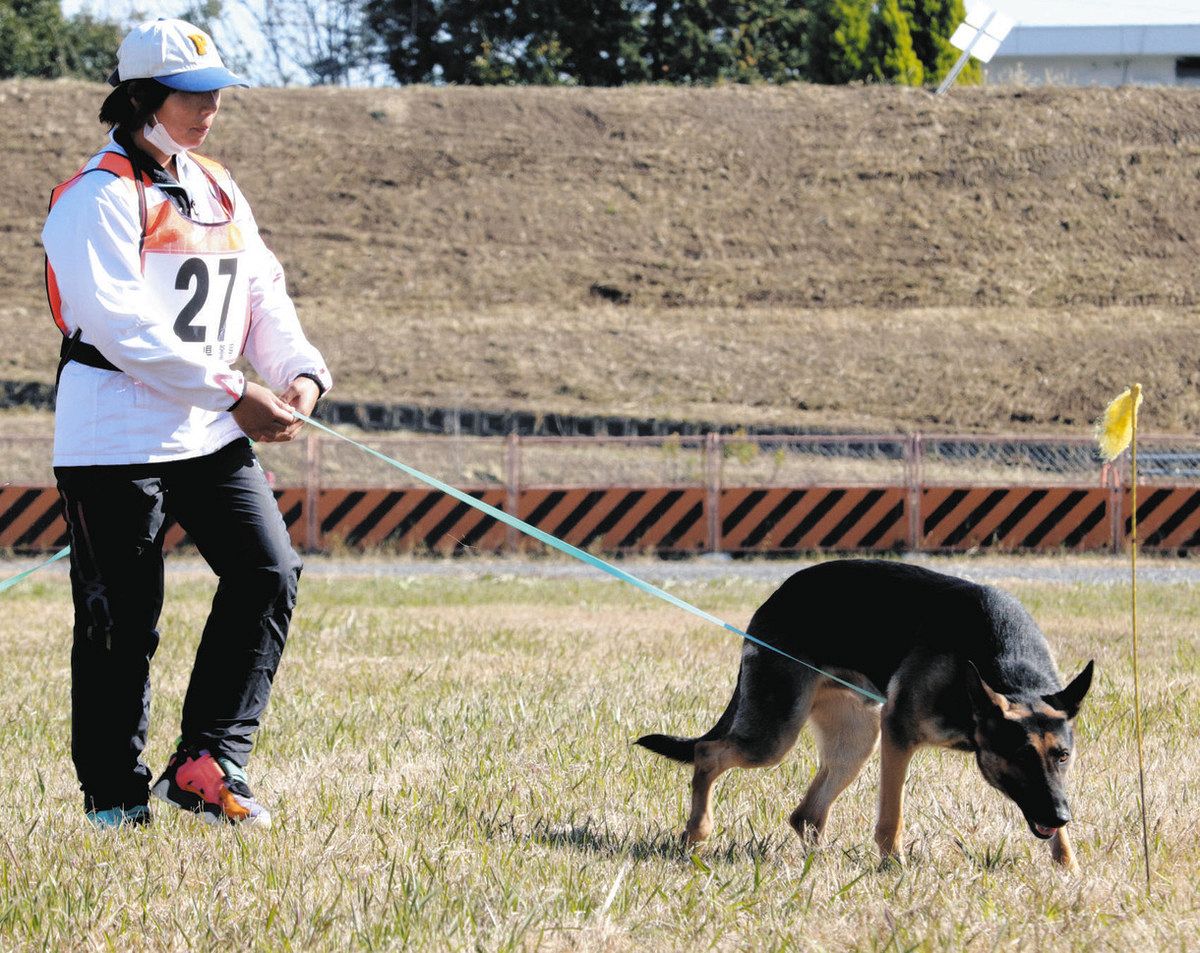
[{"x": 176, "y": 54}]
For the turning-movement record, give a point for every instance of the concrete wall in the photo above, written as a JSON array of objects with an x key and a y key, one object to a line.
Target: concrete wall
[{"x": 1086, "y": 71}]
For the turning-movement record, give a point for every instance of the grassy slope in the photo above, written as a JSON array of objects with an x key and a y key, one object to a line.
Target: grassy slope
[
  {"x": 867, "y": 257},
  {"x": 451, "y": 768}
]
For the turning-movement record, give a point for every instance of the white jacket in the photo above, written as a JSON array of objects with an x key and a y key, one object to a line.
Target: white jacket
[{"x": 171, "y": 403}]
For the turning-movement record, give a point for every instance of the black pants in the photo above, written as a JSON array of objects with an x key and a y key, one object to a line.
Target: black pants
[{"x": 116, "y": 516}]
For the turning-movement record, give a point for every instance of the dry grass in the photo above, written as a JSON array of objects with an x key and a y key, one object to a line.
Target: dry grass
[
  {"x": 451, "y": 769},
  {"x": 837, "y": 257}
]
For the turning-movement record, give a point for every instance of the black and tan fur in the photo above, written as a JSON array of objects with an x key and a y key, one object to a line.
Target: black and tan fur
[{"x": 961, "y": 665}]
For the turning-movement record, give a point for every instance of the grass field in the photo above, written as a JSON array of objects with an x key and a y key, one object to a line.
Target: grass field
[{"x": 450, "y": 767}]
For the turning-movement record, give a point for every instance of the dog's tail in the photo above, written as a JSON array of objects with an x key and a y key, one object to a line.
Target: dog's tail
[{"x": 684, "y": 749}]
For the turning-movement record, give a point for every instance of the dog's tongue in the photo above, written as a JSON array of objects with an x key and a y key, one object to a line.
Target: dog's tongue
[{"x": 1047, "y": 831}]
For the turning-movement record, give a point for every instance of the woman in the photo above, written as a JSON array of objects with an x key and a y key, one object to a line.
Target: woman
[{"x": 159, "y": 281}]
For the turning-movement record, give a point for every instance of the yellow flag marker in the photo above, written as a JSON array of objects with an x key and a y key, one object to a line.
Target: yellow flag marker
[{"x": 1115, "y": 431}]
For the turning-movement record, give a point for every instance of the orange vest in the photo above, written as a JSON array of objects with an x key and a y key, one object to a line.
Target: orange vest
[{"x": 191, "y": 268}]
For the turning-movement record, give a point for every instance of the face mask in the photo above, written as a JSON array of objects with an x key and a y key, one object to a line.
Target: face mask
[{"x": 158, "y": 137}]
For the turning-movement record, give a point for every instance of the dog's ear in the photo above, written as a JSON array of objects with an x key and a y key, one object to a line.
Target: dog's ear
[
  {"x": 1071, "y": 697},
  {"x": 985, "y": 701}
]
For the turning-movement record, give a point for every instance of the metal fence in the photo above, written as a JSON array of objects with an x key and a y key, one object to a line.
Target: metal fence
[
  {"x": 698, "y": 461},
  {"x": 720, "y": 460},
  {"x": 684, "y": 493}
]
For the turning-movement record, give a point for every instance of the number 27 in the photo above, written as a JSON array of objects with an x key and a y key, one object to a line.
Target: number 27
[{"x": 195, "y": 268}]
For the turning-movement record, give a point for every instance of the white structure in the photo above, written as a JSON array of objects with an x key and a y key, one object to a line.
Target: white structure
[{"x": 1099, "y": 55}]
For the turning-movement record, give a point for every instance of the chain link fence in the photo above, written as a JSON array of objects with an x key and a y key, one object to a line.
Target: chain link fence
[
  {"x": 711, "y": 460},
  {"x": 683, "y": 461}
]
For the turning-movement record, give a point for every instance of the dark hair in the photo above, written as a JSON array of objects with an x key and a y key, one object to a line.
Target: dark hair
[{"x": 131, "y": 103}]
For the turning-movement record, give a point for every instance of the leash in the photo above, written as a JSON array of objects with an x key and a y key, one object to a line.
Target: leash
[
  {"x": 552, "y": 541},
  {"x": 564, "y": 547},
  {"x": 13, "y": 580}
]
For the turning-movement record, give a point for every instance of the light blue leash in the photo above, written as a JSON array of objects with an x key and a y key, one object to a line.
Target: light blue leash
[
  {"x": 565, "y": 547},
  {"x": 542, "y": 536},
  {"x": 13, "y": 580}
]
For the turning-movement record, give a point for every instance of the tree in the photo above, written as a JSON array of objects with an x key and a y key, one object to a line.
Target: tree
[
  {"x": 768, "y": 43},
  {"x": 456, "y": 41},
  {"x": 600, "y": 42},
  {"x": 931, "y": 23},
  {"x": 705, "y": 41},
  {"x": 327, "y": 41},
  {"x": 890, "y": 54},
  {"x": 590, "y": 42},
  {"x": 36, "y": 40},
  {"x": 836, "y": 40}
]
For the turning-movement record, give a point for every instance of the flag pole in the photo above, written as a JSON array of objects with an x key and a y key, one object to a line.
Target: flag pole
[{"x": 1135, "y": 394}]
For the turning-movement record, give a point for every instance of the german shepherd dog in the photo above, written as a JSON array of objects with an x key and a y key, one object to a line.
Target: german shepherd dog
[{"x": 961, "y": 665}]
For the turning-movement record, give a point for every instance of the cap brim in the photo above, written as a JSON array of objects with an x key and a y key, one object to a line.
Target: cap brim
[{"x": 202, "y": 80}]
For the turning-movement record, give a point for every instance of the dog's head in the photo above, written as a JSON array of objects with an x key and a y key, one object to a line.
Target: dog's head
[{"x": 1024, "y": 746}]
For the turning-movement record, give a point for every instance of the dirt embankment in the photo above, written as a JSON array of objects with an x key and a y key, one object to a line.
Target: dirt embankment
[{"x": 865, "y": 257}]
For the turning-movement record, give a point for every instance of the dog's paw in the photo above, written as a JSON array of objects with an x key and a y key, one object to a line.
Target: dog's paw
[
  {"x": 693, "y": 837},
  {"x": 808, "y": 829},
  {"x": 891, "y": 861}
]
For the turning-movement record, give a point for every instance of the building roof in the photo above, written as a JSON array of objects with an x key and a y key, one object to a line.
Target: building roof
[{"x": 1099, "y": 12}]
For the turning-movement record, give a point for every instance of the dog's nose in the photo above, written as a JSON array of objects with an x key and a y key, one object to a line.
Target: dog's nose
[{"x": 1062, "y": 816}]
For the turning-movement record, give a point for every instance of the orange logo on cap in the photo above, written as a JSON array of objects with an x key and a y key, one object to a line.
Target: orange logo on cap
[{"x": 199, "y": 42}]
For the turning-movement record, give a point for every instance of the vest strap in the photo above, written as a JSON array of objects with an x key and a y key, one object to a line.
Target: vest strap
[{"x": 73, "y": 349}]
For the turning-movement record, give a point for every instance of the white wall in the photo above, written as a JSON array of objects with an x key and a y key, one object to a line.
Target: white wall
[{"x": 1086, "y": 71}]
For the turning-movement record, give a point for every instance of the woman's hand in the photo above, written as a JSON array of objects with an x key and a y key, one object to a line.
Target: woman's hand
[
  {"x": 265, "y": 417},
  {"x": 302, "y": 394}
]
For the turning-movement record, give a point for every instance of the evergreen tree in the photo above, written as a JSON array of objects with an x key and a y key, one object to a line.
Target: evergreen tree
[
  {"x": 932, "y": 23},
  {"x": 890, "y": 54},
  {"x": 767, "y": 42},
  {"x": 590, "y": 42},
  {"x": 706, "y": 41},
  {"x": 454, "y": 41},
  {"x": 598, "y": 42},
  {"x": 36, "y": 40},
  {"x": 836, "y": 39},
  {"x": 686, "y": 43}
]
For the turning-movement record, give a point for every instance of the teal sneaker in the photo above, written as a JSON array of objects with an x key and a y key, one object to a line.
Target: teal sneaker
[{"x": 114, "y": 817}]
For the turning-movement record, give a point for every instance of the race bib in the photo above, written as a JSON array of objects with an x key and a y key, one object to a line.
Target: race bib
[{"x": 206, "y": 298}]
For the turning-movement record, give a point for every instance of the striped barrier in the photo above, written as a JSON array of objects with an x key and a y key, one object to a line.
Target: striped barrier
[
  {"x": 1014, "y": 518},
  {"x": 814, "y": 518},
  {"x": 31, "y": 519},
  {"x": 679, "y": 520},
  {"x": 1168, "y": 518},
  {"x": 407, "y": 520},
  {"x": 620, "y": 519}
]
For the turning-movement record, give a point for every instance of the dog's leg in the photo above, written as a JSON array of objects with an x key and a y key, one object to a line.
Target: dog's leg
[
  {"x": 889, "y": 826},
  {"x": 846, "y": 729},
  {"x": 1061, "y": 852},
  {"x": 713, "y": 758},
  {"x": 774, "y": 699}
]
